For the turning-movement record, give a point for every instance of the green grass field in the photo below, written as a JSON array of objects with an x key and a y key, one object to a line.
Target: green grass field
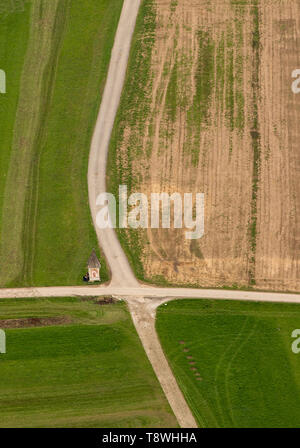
[
  {"x": 233, "y": 361},
  {"x": 55, "y": 55},
  {"x": 92, "y": 372}
]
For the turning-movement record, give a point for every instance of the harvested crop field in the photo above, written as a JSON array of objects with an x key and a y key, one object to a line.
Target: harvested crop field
[{"x": 208, "y": 107}]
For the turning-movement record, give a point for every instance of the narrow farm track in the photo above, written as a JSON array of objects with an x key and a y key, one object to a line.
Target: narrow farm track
[
  {"x": 131, "y": 293},
  {"x": 143, "y": 312},
  {"x": 121, "y": 273}
]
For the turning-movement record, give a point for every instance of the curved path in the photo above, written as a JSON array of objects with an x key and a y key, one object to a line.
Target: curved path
[
  {"x": 121, "y": 273},
  {"x": 123, "y": 282},
  {"x": 142, "y": 300}
]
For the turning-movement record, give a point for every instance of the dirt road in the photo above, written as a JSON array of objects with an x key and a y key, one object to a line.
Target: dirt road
[
  {"x": 120, "y": 270},
  {"x": 143, "y": 315},
  {"x": 148, "y": 291},
  {"x": 121, "y": 273}
]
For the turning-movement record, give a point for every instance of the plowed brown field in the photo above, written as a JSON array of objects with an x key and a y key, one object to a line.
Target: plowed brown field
[{"x": 208, "y": 107}]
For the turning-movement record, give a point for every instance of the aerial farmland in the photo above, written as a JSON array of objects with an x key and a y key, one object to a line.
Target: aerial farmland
[{"x": 149, "y": 219}]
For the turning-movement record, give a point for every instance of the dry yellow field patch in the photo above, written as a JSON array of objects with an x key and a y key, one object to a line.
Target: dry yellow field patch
[
  {"x": 278, "y": 239},
  {"x": 212, "y": 111}
]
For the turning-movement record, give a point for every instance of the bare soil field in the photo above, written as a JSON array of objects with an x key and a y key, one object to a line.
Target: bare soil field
[
  {"x": 278, "y": 241},
  {"x": 208, "y": 107}
]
